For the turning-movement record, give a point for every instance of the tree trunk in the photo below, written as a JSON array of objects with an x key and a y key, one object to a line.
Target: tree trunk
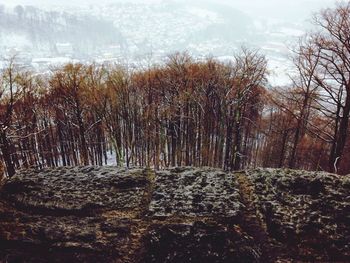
[
  {"x": 6, "y": 154},
  {"x": 342, "y": 136}
]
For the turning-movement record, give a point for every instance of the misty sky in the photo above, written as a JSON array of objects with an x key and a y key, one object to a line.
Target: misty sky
[
  {"x": 295, "y": 12},
  {"x": 282, "y": 9}
]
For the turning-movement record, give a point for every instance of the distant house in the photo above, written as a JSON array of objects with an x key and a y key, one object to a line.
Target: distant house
[
  {"x": 116, "y": 49},
  {"x": 64, "y": 49}
]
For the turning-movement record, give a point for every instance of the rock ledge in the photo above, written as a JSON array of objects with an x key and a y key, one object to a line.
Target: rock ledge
[{"x": 109, "y": 214}]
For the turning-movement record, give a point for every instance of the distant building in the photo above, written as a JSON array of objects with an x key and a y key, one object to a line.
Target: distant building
[
  {"x": 64, "y": 49},
  {"x": 115, "y": 50}
]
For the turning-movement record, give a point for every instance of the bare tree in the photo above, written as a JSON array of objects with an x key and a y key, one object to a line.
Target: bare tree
[
  {"x": 249, "y": 75},
  {"x": 9, "y": 94},
  {"x": 332, "y": 56}
]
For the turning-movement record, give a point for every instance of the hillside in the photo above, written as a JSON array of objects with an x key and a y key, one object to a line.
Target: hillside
[
  {"x": 32, "y": 32},
  {"x": 109, "y": 214}
]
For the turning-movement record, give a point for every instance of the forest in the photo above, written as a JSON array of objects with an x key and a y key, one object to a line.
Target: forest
[
  {"x": 186, "y": 112},
  {"x": 43, "y": 29}
]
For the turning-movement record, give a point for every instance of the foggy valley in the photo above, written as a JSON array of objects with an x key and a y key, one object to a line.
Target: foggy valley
[{"x": 44, "y": 33}]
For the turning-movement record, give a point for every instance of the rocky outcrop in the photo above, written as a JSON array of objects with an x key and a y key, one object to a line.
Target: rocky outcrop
[
  {"x": 109, "y": 214},
  {"x": 308, "y": 212}
]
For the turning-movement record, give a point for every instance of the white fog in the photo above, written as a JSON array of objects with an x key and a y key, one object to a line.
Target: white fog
[{"x": 130, "y": 30}]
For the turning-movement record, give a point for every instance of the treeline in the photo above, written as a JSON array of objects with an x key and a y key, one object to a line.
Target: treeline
[
  {"x": 182, "y": 113},
  {"x": 186, "y": 112}
]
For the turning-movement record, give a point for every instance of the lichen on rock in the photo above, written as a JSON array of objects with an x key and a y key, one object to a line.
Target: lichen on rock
[
  {"x": 309, "y": 212},
  {"x": 195, "y": 192},
  {"x": 111, "y": 214}
]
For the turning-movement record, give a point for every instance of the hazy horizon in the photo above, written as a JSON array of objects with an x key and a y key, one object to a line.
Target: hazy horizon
[
  {"x": 161, "y": 27},
  {"x": 274, "y": 8}
]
